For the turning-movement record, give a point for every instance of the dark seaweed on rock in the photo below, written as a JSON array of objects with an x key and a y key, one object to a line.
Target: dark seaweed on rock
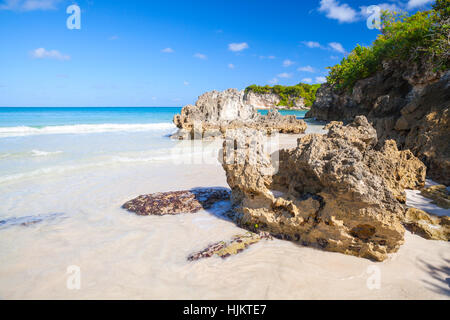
[{"x": 176, "y": 202}]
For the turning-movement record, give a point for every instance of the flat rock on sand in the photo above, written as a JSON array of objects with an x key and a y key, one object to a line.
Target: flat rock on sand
[{"x": 176, "y": 202}]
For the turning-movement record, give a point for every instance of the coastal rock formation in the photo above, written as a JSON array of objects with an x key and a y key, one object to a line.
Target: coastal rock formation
[
  {"x": 400, "y": 169},
  {"x": 326, "y": 192},
  {"x": 216, "y": 112},
  {"x": 270, "y": 100},
  {"x": 176, "y": 202},
  {"x": 403, "y": 102},
  {"x": 427, "y": 225},
  {"x": 236, "y": 245},
  {"x": 439, "y": 194}
]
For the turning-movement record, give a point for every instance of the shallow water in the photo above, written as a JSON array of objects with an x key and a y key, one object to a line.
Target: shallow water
[{"x": 75, "y": 184}]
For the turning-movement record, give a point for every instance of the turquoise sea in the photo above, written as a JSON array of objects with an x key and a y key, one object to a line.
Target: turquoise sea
[
  {"x": 41, "y": 117},
  {"x": 64, "y": 175}
]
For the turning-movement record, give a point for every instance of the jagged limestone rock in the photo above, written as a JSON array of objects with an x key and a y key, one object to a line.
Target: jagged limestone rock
[
  {"x": 427, "y": 225},
  {"x": 323, "y": 193},
  {"x": 404, "y": 102},
  {"x": 439, "y": 194},
  {"x": 216, "y": 112}
]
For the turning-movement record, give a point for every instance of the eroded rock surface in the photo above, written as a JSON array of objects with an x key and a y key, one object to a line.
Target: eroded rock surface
[
  {"x": 176, "y": 202},
  {"x": 216, "y": 112},
  {"x": 327, "y": 192},
  {"x": 427, "y": 225},
  {"x": 403, "y": 102},
  {"x": 236, "y": 245},
  {"x": 439, "y": 194}
]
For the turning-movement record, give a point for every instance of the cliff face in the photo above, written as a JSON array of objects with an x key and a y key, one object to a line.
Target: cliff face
[
  {"x": 270, "y": 100},
  {"x": 404, "y": 103}
]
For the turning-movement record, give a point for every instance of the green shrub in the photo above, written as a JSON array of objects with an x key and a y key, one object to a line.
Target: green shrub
[
  {"x": 420, "y": 38},
  {"x": 289, "y": 94}
]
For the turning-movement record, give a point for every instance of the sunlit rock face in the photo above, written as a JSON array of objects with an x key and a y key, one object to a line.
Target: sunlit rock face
[
  {"x": 404, "y": 102},
  {"x": 216, "y": 112},
  {"x": 326, "y": 192}
]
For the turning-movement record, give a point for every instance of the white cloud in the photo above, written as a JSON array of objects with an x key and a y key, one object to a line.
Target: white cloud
[
  {"x": 336, "y": 46},
  {"x": 267, "y": 57},
  {"x": 417, "y": 3},
  {"x": 273, "y": 81},
  {"x": 287, "y": 63},
  {"x": 307, "y": 80},
  {"x": 341, "y": 12},
  {"x": 200, "y": 56},
  {"x": 168, "y": 50},
  {"x": 312, "y": 44},
  {"x": 306, "y": 69},
  {"x": 231, "y": 66},
  {"x": 236, "y": 47},
  {"x": 284, "y": 75},
  {"x": 29, "y": 5},
  {"x": 321, "y": 79},
  {"x": 41, "y": 53}
]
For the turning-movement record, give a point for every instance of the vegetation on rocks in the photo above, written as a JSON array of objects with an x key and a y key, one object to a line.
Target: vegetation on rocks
[
  {"x": 422, "y": 38},
  {"x": 288, "y": 94}
]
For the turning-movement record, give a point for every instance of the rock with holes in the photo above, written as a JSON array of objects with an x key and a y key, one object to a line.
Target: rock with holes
[
  {"x": 216, "y": 112},
  {"x": 176, "y": 202},
  {"x": 322, "y": 193}
]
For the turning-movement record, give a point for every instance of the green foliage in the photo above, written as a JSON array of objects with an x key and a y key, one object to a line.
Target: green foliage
[
  {"x": 289, "y": 94},
  {"x": 422, "y": 38}
]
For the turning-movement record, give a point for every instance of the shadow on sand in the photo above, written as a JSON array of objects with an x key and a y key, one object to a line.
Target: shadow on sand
[{"x": 441, "y": 275}]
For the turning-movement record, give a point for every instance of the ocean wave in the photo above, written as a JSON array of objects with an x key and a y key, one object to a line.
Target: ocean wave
[
  {"x": 162, "y": 156},
  {"x": 28, "y": 154},
  {"x": 82, "y": 129},
  {"x": 39, "y": 153}
]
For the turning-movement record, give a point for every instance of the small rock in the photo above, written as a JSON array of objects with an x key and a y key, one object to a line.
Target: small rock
[
  {"x": 225, "y": 249},
  {"x": 176, "y": 202}
]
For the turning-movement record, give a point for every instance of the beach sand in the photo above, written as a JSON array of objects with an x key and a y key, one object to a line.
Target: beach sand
[{"x": 124, "y": 256}]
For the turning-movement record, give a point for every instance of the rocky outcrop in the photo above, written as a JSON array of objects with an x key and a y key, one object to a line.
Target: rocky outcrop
[
  {"x": 176, "y": 202},
  {"x": 439, "y": 194},
  {"x": 225, "y": 249},
  {"x": 403, "y": 102},
  {"x": 216, "y": 112},
  {"x": 428, "y": 226},
  {"x": 327, "y": 192},
  {"x": 400, "y": 169},
  {"x": 271, "y": 100}
]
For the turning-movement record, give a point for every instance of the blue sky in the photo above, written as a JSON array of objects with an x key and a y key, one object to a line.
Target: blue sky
[{"x": 167, "y": 53}]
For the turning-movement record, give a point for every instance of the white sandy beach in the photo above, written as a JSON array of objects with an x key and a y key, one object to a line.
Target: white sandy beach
[{"x": 123, "y": 256}]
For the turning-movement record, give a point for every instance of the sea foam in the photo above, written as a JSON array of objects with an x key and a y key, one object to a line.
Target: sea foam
[{"x": 82, "y": 129}]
